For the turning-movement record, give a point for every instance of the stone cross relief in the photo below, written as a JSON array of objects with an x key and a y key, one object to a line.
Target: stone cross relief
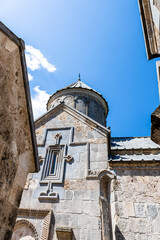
[
  {"x": 49, "y": 194},
  {"x": 57, "y": 177}
]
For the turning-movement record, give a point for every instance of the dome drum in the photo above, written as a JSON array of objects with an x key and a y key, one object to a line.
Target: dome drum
[{"x": 84, "y": 100}]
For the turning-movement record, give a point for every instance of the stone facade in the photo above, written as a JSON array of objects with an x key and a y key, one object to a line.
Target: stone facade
[
  {"x": 136, "y": 202},
  {"x": 155, "y": 127},
  {"x": 18, "y": 155},
  {"x": 150, "y": 16},
  {"x": 135, "y": 197},
  {"x": 94, "y": 186}
]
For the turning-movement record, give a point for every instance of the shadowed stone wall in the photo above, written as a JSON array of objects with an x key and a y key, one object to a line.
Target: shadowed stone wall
[
  {"x": 155, "y": 127},
  {"x": 17, "y": 151}
]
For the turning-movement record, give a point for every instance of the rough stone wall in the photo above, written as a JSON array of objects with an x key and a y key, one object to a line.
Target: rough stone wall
[
  {"x": 151, "y": 36},
  {"x": 16, "y": 156},
  {"x": 135, "y": 203},
  {"x": 78, "y": 204},
  {"x": 155, "y": 127}
]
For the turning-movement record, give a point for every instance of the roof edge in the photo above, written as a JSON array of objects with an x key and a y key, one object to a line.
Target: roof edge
[{"x": 65, "y": 106}]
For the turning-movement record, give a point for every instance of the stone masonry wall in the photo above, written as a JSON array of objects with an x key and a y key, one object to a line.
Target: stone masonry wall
[
  {"x": 16, "y": 155},
  {"x": 155, "y": 127},
  {"x": 135, "y": 204},
  {"x": 78, "y": 204}
]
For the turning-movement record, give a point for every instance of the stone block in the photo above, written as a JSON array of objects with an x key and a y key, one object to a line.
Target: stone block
[
  {"x": 94, "y": 148},
  {"x": 91, "y": 208},
  {"x": 19, "y": 180},
  {"x": 90, "y": 135},
  {"x": 84, "y": 221},
  {"x": 72, "y": 207},
  {"x": 119, "y": 209},
  {"x": 128, "y": 209},
  {"x": 62, "y": 219},
  {"x": 76, "y": 233},
  {"x": 83, "y": 157},
  {"x": 123, "y": 225},
  {"x": 68, "y": 195},
  {"x": 2, "y": 38},
  {"x": 95, "y": 223},
  {"x": 94, "y": 195},
  {"x": 79, "y": 172},
  {"x": 156, "y": 225},
  {"x": 140, "y": 210},
  {"x": 90, "y": 235},
  {"x": 152, "y": 210},
  {"x": 10, "y": 45},
  {"x": 144, "y": 225},
  {"x": 82, "y": 194}
]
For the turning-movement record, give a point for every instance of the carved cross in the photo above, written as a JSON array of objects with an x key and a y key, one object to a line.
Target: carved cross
[{"x": 58, "y": 136}]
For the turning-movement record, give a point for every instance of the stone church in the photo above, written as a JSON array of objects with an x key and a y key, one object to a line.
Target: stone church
[{"x": 90, "y": 186}]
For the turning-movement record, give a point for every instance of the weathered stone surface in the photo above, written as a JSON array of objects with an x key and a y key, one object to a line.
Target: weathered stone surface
[
  {"x": 150, "y": 22},
  {"x": 136, "y": 204},
  {"x": 17, "y": 140},
  {"x": 140, "y": 210},
  {"x": 152, "y": 210},
  {"x": 96, "y": 199},
  {"x": 155, "y": 127}
]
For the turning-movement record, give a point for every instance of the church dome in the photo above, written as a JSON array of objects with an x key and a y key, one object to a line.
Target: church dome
[{"x": 83, "y": 98}]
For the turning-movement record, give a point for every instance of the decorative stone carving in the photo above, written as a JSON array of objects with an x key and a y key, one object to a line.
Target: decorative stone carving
[
  {"x": 58, "y": 136},
  {"x": 23, "y": 228},
  {"x": 36, "y": 213},
  {"x": 92, "y": 174},
  {"x": 53, "y": 164},
  {"x": 40, "y": 158},
  {"x": 49, "y": 194},
  {"x": 53, "y": 168},
  {"x": 68, "y": 158}
]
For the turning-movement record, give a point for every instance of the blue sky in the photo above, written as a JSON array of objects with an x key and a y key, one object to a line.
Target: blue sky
[{"x": 100, "y": 39}]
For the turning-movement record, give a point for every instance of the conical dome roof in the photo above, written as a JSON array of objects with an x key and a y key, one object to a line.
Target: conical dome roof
[{"x": 78, "y": 84}]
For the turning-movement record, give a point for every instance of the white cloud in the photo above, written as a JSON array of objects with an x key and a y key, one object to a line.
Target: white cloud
[
  {"x": 39, "y": 101},
  {"x": 35, "y": 60},
  {"x": 30, "y": 77}
]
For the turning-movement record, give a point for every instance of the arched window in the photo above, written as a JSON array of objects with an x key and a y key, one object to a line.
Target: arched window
[{"x": 24, "y": 230}]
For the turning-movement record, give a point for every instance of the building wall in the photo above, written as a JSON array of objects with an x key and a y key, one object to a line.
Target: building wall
[
  {"x": 149, "y": 11},
  {"x": 77, "y": 206},
  {"x": 16, "y": 155},
  {"x": 135, "y": 202},
  {"x": 96, "y": 199}
]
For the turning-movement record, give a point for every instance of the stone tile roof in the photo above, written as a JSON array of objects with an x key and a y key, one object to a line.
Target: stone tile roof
[
  {"x": 135, "y": 157},
  {"x": 134, "y": 149},
  {"x": 133, "y": 143},
  {"x": 79, "y": 84}
]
